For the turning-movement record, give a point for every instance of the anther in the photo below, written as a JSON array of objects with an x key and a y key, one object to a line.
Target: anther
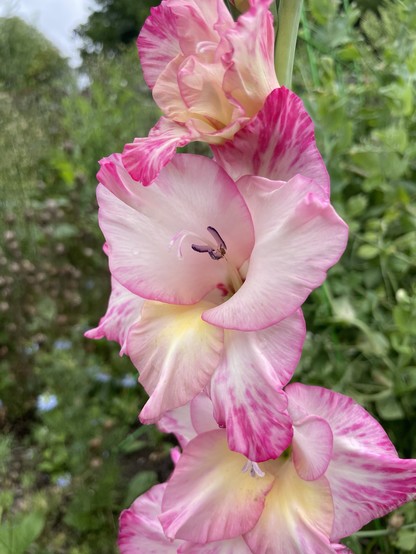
[{"x": 214, "y": 253}]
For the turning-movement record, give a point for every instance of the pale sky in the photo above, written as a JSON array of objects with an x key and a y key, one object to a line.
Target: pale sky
[{"x": 56, "y": 19}]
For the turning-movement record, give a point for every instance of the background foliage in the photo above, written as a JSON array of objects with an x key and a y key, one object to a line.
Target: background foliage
[{"x": 72, "y": 454}]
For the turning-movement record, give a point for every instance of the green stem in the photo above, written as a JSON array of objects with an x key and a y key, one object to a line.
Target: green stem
[
  {"x": 382, "y": 532},
  {"x": 288, "y": 25}
]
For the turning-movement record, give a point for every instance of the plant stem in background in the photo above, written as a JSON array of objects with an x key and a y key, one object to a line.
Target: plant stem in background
[{"x": 288, "y": 17}]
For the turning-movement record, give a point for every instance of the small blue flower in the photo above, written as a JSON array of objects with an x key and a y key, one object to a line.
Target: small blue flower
[
  {"x": 64, "y": 480},
  {"x": 46, "y": 402},
  {"x": 62, "y": 344},
  {"x": 102, "y": 377},
  {"x": 128, "y": 382}
]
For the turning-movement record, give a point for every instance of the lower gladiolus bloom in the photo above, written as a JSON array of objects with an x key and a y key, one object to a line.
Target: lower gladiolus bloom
[
  {"x": 208, "y": 73},
  {"x": 211, "y": 275},
  {"x": 340, "y": 472}
]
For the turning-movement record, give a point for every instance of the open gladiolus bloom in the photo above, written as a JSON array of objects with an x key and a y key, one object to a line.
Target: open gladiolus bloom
[
  {"x": 339, "y": 472},
  {"x": 209, "y": 75},
  {"x": 217, "y": 272}
]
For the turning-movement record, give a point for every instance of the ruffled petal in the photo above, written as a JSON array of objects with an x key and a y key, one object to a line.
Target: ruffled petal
[
  {"x": 201, "y": 90},
  {"x": 278, "y": 143},
  {"x": 140, "y": 531},
  {"x": 249, "y": 58},
  {"x": 146, "y": 156},
  {"x": 246, "y": 388},
  {"x": 150, "y": 230},
  {"x": 178, "y": 421},
  {"x": 124, "y": 309},
  {"x": 366, "y": 477},
  {"x": 231, "y": 546},
  {"x": 297, "y": 517},
  {"x": 208, "y": 497},
  {"x": 299, "y": 237},
  {"x": 200, "y": 23},
  {"x": 312, "y": 447},
  {"x": 175, "y": 352},
  {"x": 158, "y": 42},
  {"x": 352, "y": 426},
  {"x": 193, "y": 418},
  {"x": 367, "y": 486}
]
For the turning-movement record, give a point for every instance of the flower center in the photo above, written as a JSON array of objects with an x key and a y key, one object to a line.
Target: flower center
[{"x": 216, "y": 250}]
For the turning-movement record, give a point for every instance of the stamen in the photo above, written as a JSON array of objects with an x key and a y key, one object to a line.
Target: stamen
[
  {"x": 254, "y": 469},
  {"x": 214, "y": 253},
  {"x": 218, "y": 239}
]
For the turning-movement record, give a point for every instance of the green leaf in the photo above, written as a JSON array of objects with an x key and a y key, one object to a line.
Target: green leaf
[
  {"x": 15, "y": 538},
  {"x": 406, "y": 540},
  {"x": 389, "y": 409},
  {"x": 367, "y": 252},
  {"x": 140, "y": 484}
]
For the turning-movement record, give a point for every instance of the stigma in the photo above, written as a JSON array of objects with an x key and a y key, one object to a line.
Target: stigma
[{"x": 254, "y": 469}]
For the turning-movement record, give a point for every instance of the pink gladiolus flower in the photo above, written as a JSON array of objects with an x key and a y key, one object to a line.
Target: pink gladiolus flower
[
  {"x": 340, "y": 472},
  {"x": 209, "y": 75},
  {"x": 215, "y": 273}
]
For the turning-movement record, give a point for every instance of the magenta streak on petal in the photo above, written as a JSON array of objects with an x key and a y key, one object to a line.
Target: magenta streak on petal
[{"x": 278, "y": 143}]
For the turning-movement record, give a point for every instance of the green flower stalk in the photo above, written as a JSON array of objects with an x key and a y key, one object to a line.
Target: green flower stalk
[{"x": 288, "y": 16}]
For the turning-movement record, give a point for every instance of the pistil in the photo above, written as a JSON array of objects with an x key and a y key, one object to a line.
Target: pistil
[{"x": 254, "y": 469}]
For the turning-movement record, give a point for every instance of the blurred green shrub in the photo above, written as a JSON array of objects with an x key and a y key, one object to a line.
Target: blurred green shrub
[{"x": 356, "y": 71}]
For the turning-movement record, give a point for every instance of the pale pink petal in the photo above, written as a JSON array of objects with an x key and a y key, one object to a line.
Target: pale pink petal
[
  {"x": 178, "y": 27},
  {"x": 209, "y": 497},
  {"x": 158, "y": 42},
  {"x": 124, "y": 309},
  {"x": 367, "y": 486},
  {"x": 178, "y": 421},
  {"x": 202, "y": 414},
  {"x": 199, "y": 23},
  {"x": 150, "y": 230},
  {"x": 251, "y": 75},
  {"x": 246, "y": 388},
  {"x": 167, "y": 95},
  {"x": 297, "y": 517},
  {"x": 187, "y": 421},
  {"x": 201, "y": 90},
  {"x": 352, "y": 426},
  {"x": 145, "y": 157},
  {"x": 176, "y": 353},
  {"x": 312, "y": 447},
  {"x": 140, "y": 531},
  {"x": 299, "y": 237},
  {"x": 278, "y": 143},
  {"x": 341, "y": 549},
  {"x": 367, "y": 478},
  {"x": 231, "y": 546}
]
